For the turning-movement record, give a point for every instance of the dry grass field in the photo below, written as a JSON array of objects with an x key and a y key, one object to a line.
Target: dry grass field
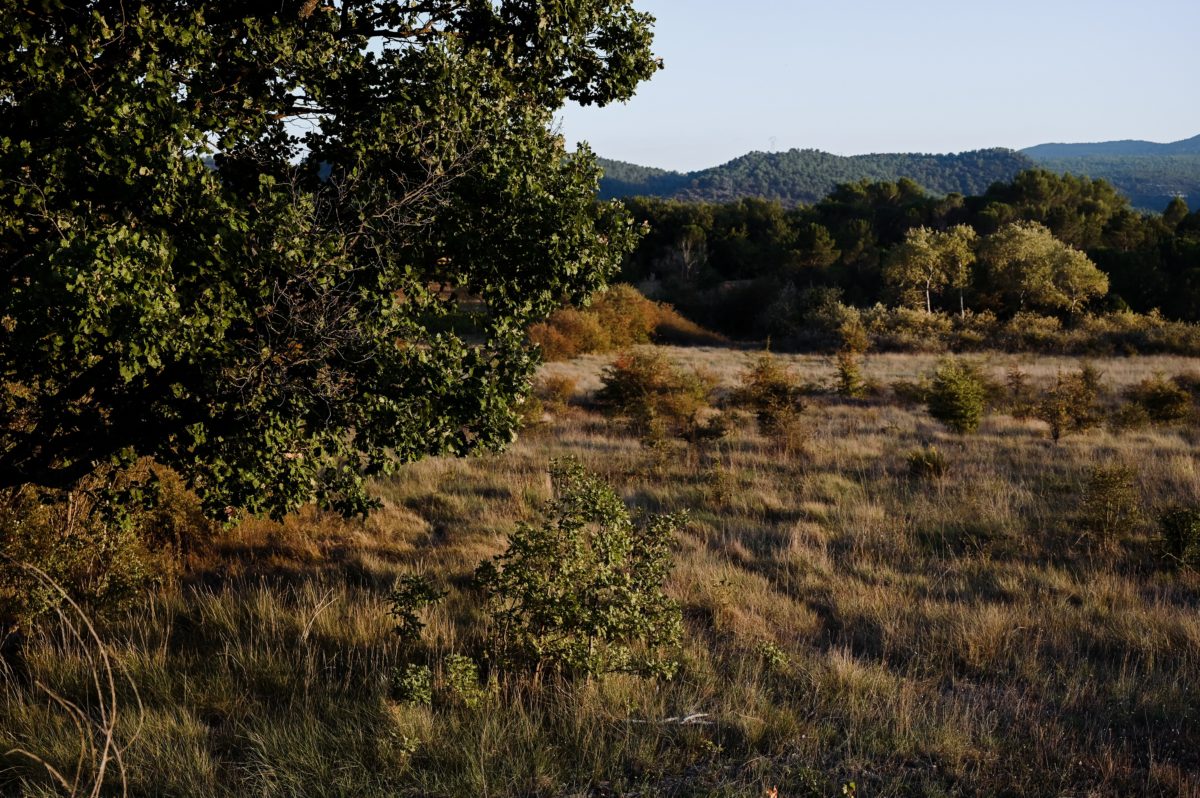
[{"x": 850, "y": 629}]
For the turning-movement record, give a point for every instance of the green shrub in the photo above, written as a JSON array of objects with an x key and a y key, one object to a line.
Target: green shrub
[
  {"x": 908, "y": 330},
  {"x": 413, "y": 684},
  {"x": 775, "y": 396},
  {"x": 1032, "y": 332},
  {"x": 927, "y": 463},
  {"x": 1164, "y": 400},
  {"x": 911, "y": 392},
  {"x": 461, "y": 678},
  {"x": 644, "y": 387},
  {"x": 1111, "y": 503},
  {"x": 957, "y": 395},
  {"x": 582, "y": 592},
  {"x": 1072, "y": 404},
  {"x": 412, "y": 595},
  {"x": 1019, "y": 395},
  {"x": 850, "y": 382},
  {"x": 1129, "y": 416},
  {"x": 1180, "y": 527}
]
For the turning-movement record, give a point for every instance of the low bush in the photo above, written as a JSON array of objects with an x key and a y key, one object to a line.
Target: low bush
[
  {"x": 1111, "y": 504},
  {"x": 912, "y": 392},
  {"x": 555, "y": 392},
  {"x": 957, "y": 395},
  {"x": 908, "y": 330},
  {"x": 617, "y": 318},
  {"x": 1030, "y": 332},
  {"x": 646, "y": 388},
  {"x": 1128, "y": 416},
  {"x": 582, "y": 592},
  {"x": 1072, "y": 404},
  {"x": 107, "y": 540},
  {"x": 1019, "y": 397},
  {"x": 1180, "y": 528},
  {"x": 927, "y": 463},
  {"x": 411, "y": 596},
  {"x": 775, "y": 396},
  {"x": 1164, "y": 401},
  {"x": 850, "y": 383}
]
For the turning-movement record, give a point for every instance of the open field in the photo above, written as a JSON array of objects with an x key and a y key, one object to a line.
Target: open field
[{"x": 845, "y": 622}]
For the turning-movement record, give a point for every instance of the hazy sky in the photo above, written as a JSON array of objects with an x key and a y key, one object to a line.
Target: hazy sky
[{"x": 852, "y": 76}]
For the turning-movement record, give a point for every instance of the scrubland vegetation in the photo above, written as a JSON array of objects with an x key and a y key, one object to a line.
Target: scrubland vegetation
[
  {"x": 864, "y": 597},
  {"x": 280, "y": 517}
]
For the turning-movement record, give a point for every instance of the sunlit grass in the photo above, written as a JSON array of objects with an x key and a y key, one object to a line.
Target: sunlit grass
[{"x": 845, "y": 621}]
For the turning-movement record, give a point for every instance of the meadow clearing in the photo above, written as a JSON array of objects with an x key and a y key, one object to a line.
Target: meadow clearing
[{"x": 852, "y": 626}]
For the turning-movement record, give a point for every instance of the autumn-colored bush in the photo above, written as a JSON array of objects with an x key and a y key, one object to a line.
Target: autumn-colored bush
[
  {"x": 617, "y": 318},
  {"x": 105, "y": 541},
  {"x": 1164, "y": 401}
]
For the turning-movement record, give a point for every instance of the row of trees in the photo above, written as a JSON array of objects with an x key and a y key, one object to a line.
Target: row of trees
[
  {"x": 721, "y": 263},
  {"x": 1021, "y": 266}
]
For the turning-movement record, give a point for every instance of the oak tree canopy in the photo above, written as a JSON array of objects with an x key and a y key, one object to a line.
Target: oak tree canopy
[{"x": 282, "y": 247}]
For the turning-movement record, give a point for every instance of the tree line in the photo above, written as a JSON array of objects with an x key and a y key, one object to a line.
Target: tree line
[{"x": 1051, "y": 243}]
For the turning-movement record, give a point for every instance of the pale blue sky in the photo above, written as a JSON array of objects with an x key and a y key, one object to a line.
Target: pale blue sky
[{"x": 856, "y": 76}]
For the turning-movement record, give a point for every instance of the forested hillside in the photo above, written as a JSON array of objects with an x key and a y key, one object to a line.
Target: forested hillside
[{"x": 806, "y": 176}]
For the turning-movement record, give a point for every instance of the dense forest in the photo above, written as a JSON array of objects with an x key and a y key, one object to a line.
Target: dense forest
[
  {"x": 735, "y": 266},
  {"x": 1149, "y": 174}
]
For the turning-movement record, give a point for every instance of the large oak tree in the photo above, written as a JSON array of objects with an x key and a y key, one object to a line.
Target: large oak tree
[{"x": 281, "y": 247}]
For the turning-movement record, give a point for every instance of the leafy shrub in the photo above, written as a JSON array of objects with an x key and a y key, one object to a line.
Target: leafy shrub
[
  {"x": 957, "y": 395},
  {"x": 908, "y": 330},
  {"x": 646, "y": 388},
  {"x": 850, "y": 382},
  {"x": 1164, "y": 400},
  {"x": 1189, "y": 382},
  {"x": 1129, "y": 416},
  {"x": 1072, "y": 404},
  {"x": 1020, "y": 397},
  {"x": 569, "y": 332},
  {"x": 413, "y": 684},
  {"x": 719, "y": 484},
  {"x": 1111, "y": 504},
  {"x": 975, "y": 331},
  {"x": 927, "y": 463},
  {"x": 411, "y": 596},
  {"x": 461, "y": 677},
  {"x": 1030, "y": 331},
  {"x": 770, "y": 391},
  {"x": 582, "y": 592},
  {"x": 1180, "y": 527},
  {"x": 912, "y": 392}
]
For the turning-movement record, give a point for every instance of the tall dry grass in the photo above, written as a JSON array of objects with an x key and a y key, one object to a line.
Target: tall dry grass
[{"x": 955, "y": 634}]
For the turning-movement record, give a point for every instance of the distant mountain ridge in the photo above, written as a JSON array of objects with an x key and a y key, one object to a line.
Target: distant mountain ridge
[
  {"x": 1043, "y": 152},
  {"x": 1149, "y": 173},
  {"x": 808, "y": 176}
]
